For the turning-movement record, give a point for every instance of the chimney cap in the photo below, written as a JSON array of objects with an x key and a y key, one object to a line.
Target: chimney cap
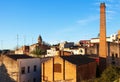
[{"x": 102, "y": 4}]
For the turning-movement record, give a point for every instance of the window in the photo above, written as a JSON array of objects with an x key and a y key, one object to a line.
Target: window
[
  {"x": 116, "y": 55},
  {"x": 119, "y": 39},
  {"x": 48, "y": 52},
  {"x": 81, "y": 50},
  {"x": 113, "y": 62},
  {"x": 34, "y": 79},
  {"x": 35, "y": 68},
  {"x": 23, "y": 70},
  {"x": 112, "y": 56},
  {"x": 57, "y": 68},
  {"x": 28, "y": 69}
]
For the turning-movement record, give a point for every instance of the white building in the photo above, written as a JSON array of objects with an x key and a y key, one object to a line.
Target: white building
[
  {"x": 55, "y": 52},
  {"x": 108, "y": 39},
  {"x": 52, "y": 52},
  {"x": 66, "y": 45},
  {"x": 76, "y": 51},
  {"x": 21, "y": 68}
]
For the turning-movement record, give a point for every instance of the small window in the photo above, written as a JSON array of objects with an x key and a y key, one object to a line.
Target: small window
[
  {"x": 48, "y": 53},
  {"x": 119, "y": 39},
  {"x": 34, "y": 79},
  {"x": 113, "y": 56},
  {"x": 35, "y": 68},
  {"x": 81, "y": 51},
  {"x": 28, "y": 69},
  {"x": 23, "y": 70},
  {"x": 116, "y": 55},
  {"x": 57, "y": 68}
]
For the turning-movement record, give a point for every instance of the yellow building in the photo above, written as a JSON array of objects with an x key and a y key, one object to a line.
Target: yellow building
[{"x": 72, "y": 68}]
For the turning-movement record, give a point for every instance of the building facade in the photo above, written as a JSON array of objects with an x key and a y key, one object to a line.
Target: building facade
[
  {"x": 22, "y": 68},
  {"x": 66, "y": 45},
  {"x": 68, "y": 68},
  {"x": 28, "y": 49}
]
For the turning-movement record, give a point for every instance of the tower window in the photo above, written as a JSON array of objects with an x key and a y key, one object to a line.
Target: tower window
[
  {"x": 116, "y": 55},
  {"x": 113, "y": 56}
]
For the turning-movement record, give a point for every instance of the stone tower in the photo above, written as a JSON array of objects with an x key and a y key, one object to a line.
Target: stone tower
[
  {"x": 103, "y": 43},
  {"x": 40, "y": 39}
]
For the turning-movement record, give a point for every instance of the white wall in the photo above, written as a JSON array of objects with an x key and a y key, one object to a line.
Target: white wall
[
  {"x": 29, "y": 76},
  {"x": 112, "y": 38},
  {"x": 76, "y": 51},
  {"x": 52, "y": 53}
]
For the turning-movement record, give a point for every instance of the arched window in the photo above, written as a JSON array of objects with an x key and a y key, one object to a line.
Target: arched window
[
  {"x": 113, "y": 56},
  {"x": 116, "y": 55},
  {"x": 81, "y": 51}
]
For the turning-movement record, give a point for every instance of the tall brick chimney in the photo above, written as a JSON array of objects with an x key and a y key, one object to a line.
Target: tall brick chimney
[{"x": 103, "y": 43}]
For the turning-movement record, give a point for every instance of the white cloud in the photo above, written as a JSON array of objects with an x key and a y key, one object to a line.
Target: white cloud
[
  {"x": 88, "y": 20},
  {"x": 108, "y": 5},
  {"x": 112, "y": 8},
  {"x": 110, "y": 0},
  {"x": 110, "y": 15},
  {"x": 97, "y": 3},
  {"x": 105, "y": 0},
  {"x": 110, "y": 12}
]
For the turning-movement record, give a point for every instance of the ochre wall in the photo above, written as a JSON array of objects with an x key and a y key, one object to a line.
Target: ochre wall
[
  {"x": 68, "y": 70},
  {"x": 11, "y": 66}
]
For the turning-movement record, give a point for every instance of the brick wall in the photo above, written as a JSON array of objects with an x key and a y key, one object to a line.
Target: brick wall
[{"x": 68, "y": 70}]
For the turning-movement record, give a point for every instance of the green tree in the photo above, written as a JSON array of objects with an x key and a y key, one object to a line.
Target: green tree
[
  {"x": 38, "y": 52},
  {"x": 110, "y": 74}
]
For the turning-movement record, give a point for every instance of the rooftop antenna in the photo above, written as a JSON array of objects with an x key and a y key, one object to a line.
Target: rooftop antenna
[
  {"x": 17, "y": 40},
  {"x": 32, "y": 40},
  {"x": 1, "y": 44},
  {"x": 24, "y": 40}
]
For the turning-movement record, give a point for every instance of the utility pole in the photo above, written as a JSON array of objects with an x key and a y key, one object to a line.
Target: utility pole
[
  {"x": 24, "y": 40},
  {"x": 32, "y": 40},
  {"x": 17, "y": 40},
  {"x": 1, "y": 44}
]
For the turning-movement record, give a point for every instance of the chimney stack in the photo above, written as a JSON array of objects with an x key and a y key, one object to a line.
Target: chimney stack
[{"x": 103, "y": 43}]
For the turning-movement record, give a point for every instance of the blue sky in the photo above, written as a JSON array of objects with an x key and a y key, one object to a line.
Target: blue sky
[{"x": 55, "y": 20}]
